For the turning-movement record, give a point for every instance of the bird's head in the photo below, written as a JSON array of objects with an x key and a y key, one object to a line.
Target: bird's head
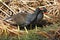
[{"x": 44, "y": 10}]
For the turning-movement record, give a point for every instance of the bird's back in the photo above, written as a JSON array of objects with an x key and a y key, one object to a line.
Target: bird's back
[
  {"x": 19, "y": 18},
  {"x": 24, "y": 18}
]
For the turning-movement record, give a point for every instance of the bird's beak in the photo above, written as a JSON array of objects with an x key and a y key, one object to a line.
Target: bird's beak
[{"x": 45, "y": 12}]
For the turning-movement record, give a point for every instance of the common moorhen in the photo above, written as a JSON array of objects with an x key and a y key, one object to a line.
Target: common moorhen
[{"x": 23, "y": 18}]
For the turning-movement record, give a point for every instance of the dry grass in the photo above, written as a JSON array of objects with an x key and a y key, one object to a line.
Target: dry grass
[{"x": 9, "y": 8}]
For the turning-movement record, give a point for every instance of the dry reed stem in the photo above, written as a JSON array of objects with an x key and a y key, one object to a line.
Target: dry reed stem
[
  {"x": 8, "y": 7},
  {"x": 45, "y": 34}
]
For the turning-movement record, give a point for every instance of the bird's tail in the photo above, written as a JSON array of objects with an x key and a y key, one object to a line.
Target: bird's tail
[{"x": 9, "y": 20}]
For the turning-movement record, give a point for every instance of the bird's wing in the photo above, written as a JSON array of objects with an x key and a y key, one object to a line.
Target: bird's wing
[
  {"x": 40, "y": 17},
  {"x": 30, "y": 18},
  {"x": 19, "y": 18}
]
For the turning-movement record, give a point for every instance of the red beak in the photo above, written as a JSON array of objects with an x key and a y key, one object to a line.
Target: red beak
[{"x": 45, "y": 12}]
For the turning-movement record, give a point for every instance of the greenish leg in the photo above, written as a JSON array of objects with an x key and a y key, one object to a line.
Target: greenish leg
[{"x": 26, "y": 29}]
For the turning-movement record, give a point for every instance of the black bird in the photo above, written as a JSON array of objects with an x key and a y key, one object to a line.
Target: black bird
[
  {"x": 39, "y": 17},
  {"x": 23, "y": 19}
]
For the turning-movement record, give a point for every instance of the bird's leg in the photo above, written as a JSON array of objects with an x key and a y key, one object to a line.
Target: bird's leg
[
  {"x": 26, "y": 29},
  {"x": 18, "y": 31},
  {"x": 36, "y": 27},
  {"x": 30, "y": 26},
  {"x": 18, "y": 28}
]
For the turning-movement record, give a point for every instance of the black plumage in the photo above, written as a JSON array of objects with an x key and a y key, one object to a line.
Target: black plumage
[
  {"x": 40, "y": 15},
  {"x": 39, "y": 18},
  {"x": 24, "y": 19}
]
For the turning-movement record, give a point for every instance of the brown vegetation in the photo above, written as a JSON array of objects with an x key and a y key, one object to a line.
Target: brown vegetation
[{"x": 10, "y": 7}]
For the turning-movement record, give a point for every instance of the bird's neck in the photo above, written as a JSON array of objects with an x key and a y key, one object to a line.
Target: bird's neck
[{"x": 37, "y": 12}]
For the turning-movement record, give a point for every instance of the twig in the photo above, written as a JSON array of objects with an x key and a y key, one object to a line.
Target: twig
[
  {"x": 45, "y": 34},
  {"x": 8, "y": 7},
  {"x": 1, "y": 16},
  {"x": 4, "y": 12},
  {"x": 15, "y": 31},
  {"x": 47, "y": 16}
]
